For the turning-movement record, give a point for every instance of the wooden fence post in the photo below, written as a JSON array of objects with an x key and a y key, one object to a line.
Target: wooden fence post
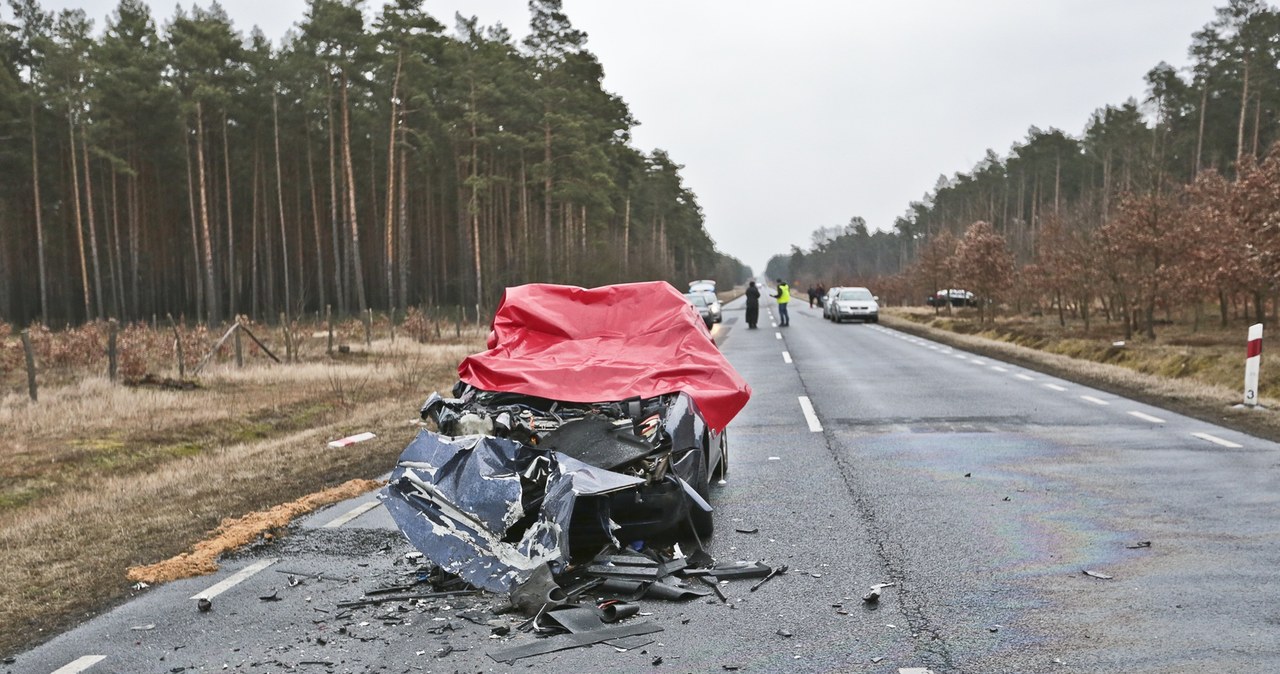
[
  {"x": 177, "y": 340},
  {"x": 239, "y": 347},
  {"x": 368, "y": 328},
  {"x": 288, "y": 348},
  {"x": 113, "y": 328},
  {"x": 328, "y": 317},
  {"x": 457, "y": 324},
  {"x": 31, "y": 364}
]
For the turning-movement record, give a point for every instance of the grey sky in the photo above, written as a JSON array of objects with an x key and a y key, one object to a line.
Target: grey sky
[{"x": 789, "y": 116}]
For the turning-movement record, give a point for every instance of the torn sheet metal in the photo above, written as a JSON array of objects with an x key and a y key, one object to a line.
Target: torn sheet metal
[
  {"x": 491, "y": 510},
  {"x": 462, "y": 502}
]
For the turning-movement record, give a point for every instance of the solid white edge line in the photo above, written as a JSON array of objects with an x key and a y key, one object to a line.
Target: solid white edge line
[
  {"x": 1147, "y": 417},
  {"x": 235, "y": 579},
  {"x": 1024, "y": 377},
  {"x": 1055, "y": 387},
  {"x": 809, "y": 415},
  {"x": 997, "y": 368},
  {"x": 1217, "y": 440},
  {"x": 80, "y": 664},
  {"x": 351, "y": 514},
  {"x": 1095, "y": 401},
  {"x": 786, "y": 357}
]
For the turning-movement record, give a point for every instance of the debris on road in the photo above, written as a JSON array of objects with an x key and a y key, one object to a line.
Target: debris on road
[
  {"x": 777, "y": 571},
  {"x": 1139, "y": 544},
  {"x": 1095, "y": 574},
  {"x": 873, "y": 595},
  {"x": 566, "y": 641},
  {"x": 204, "y": 604}
]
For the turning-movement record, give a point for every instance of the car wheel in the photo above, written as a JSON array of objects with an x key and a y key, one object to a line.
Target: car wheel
[{"x": 722, "y": 470}]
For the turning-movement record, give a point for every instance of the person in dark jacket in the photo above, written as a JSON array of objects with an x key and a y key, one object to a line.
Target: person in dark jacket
[{"x": 753, "y": 305}]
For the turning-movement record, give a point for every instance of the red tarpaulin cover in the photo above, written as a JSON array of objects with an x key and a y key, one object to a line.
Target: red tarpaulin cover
[{"x": 605, "y": 344}]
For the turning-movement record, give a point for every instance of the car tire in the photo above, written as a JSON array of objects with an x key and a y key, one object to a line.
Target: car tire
[{"x": 722, "y": 470}]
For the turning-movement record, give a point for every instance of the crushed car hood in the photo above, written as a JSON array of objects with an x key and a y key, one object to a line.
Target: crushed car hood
[{"x": 609, "y": 343}]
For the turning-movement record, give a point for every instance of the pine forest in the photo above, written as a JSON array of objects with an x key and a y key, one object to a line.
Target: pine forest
[
  {"x": 370, "y": 159},
  {"x": 1166, "y": 204}
]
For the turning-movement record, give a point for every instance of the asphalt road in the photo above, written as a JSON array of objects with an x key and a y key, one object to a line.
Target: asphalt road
[{"x": 982, "y": 490}]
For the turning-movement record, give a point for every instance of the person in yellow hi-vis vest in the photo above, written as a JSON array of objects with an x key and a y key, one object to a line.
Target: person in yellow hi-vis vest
[{"x": 784, "y": 296}]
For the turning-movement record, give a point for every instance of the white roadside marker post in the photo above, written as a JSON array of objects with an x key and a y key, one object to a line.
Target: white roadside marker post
[{"x": 1252, "y": 364}]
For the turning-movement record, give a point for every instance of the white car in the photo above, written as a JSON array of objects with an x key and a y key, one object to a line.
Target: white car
[
  {"x": 829, "y": 301},
  {"x": 851, "y": 303}
]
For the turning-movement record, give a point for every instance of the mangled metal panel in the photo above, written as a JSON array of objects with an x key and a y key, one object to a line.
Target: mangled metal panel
[{"x": 491, "y": 510}]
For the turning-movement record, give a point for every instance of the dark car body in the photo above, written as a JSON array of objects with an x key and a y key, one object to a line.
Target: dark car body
[{"x": 507, "y": 479}]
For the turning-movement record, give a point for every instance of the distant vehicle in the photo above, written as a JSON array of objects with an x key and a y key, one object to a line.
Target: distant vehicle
[
  {"x": 717, "y": 310},
  {"x": 828, "y": 301},
  {"x": 704, "y": 284},
  {"x": 956, "y": 296},
  {"x": 854, "y": 303},
  {"x": 699, "y": 302}
]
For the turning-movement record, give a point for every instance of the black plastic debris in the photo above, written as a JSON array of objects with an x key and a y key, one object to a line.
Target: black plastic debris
[
  {"x": 751, "y": 530},
  {"x": 776, "y": 572},
  {"x": 1096, "y": 574},
  {"x": 203, "y": 604},
  {"x": 567, "y": 641},
  {"x": 538, "y": 592},
  {"x": 735, "y": 570},
  {"x": 572, "y": 619},
  {"x": 274, "y": 596},
  {"x": 613, "y": 611},
  {"x": 1138, "y": 545},
  {"x": 715, "y": 587}
]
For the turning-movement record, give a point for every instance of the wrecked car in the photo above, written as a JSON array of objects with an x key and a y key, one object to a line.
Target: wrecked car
[{"x": 596, "y": 417}]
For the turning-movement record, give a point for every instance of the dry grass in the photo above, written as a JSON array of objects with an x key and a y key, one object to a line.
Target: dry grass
[
  {"x": 97, "y": 478},
  {"x": 237, "y": 532},
  {"x": 1199, "y": 373}
]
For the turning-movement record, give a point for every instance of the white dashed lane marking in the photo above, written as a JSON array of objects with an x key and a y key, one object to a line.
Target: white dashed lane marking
[
  {"x": 809, "y": 415},
  {"x": 786, "y": 356},
  {"x": 1055, "y": 387},
  {"x": 351, "y": 514},
  {"x": 1095, "y": 401},
  {"x": 777, "y": 335},
  {"x": 1147, "y": 417},
  {"x": 235, "y": 579},
  {"x": 80, "y": 664},
  {"x": 1217, "y": 440},
  {"x": 997, "y": 368},
  {"x": 1024, "y": 377}
]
